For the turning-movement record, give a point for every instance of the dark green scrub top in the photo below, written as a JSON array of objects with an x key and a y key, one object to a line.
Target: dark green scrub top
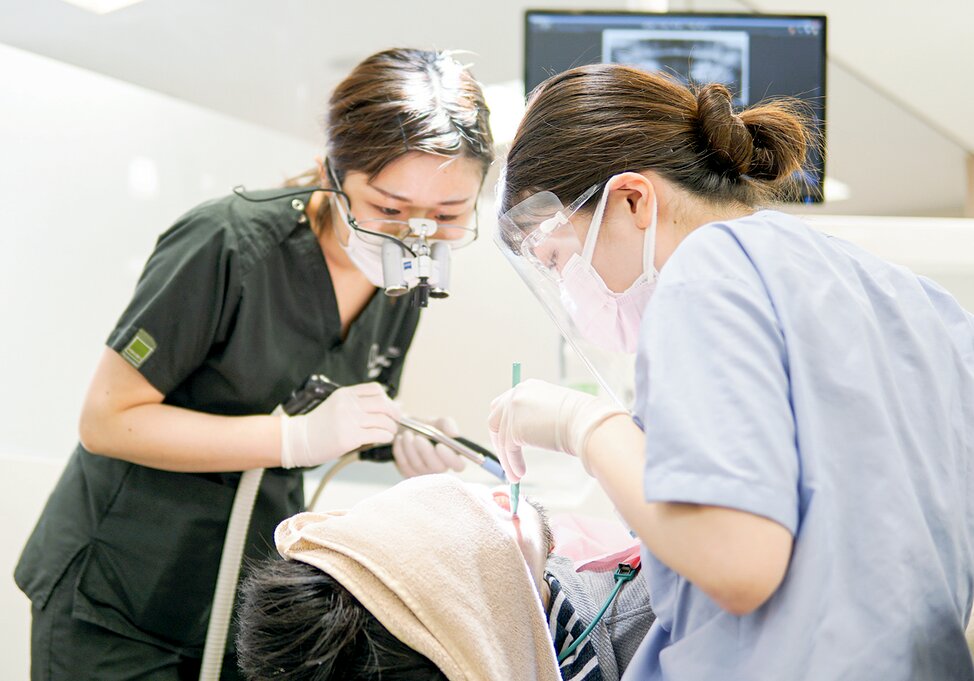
[{"x": 234, "y": 310}]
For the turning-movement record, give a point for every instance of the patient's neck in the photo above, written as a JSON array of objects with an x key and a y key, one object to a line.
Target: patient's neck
[{"x": 545, "y": 594}]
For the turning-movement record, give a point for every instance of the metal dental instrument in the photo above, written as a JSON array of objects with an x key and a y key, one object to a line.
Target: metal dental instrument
[
  {"x": 318, "y": 387},
  {"x": 515, "y": 487},
  {"x": 461, "y": 446}
]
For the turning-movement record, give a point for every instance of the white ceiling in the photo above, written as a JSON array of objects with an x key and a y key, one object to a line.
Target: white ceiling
[{"x": 900, "y": 95}]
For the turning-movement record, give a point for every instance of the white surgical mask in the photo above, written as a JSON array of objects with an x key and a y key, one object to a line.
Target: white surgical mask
[
  {"x": 606, "y": 318},
  {"x": 366, "y": 256}
]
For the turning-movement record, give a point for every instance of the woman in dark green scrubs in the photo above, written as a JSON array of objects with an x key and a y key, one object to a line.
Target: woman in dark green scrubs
[{"x": 241, "y": 300}]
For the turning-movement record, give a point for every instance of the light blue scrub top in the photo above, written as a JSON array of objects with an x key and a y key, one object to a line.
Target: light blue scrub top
[{"x": 797, "y": 377}]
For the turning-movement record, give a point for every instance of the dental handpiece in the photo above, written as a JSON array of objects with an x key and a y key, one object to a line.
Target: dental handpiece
[
  {"x": 459, "y": 445},
  {"x": 319, "y": 387}
]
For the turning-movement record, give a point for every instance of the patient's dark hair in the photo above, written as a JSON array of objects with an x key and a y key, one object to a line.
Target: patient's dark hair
[{"x": 296, "y": 623}]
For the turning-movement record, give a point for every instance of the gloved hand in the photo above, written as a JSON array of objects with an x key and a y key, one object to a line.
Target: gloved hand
[
  {"x": 540, "y": 414},
  {"x": 415, "y": 455},
  {"x": 349, "y": 418}
]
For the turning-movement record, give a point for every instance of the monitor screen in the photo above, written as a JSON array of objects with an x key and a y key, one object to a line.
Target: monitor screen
[{"x": 755, "y": 55}]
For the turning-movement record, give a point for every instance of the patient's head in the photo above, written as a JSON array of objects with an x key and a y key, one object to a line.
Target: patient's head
[
  {"x": 298, "y": 623},
  {"x": 529, "y": 528}
]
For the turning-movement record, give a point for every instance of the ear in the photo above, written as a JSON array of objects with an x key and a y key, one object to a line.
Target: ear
[{"x": 639, "y": 196}]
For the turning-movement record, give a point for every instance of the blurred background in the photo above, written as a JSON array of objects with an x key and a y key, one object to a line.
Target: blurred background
[{"x": 113, "y": 123}]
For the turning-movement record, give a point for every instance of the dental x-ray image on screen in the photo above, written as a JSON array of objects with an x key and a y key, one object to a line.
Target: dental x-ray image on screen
[
  {"x": 691, "y": 56},
  {"x": 757, "y": 56}
]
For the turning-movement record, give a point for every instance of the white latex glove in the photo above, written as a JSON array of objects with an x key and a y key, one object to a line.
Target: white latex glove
[
  {"x": 540, "y": 414},
  {"x": 415, "y": 455},
  {"x": 349, "y": 418}
]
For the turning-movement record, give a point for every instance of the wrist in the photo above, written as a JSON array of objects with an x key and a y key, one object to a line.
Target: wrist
[
  {"x": 598, "y": 446},
  {"x": 293, "y": 440}
]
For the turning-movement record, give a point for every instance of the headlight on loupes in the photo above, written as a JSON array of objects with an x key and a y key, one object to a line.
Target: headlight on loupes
[{"x": 417, "y": 257}]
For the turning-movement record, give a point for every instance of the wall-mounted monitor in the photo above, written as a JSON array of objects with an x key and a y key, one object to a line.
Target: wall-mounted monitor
[{"x": 755, "y": 55}]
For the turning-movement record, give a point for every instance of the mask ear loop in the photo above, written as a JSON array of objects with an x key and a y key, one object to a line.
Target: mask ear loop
[
  {"x": 594, "y": 226},
  {"x": 649, "y": 244},
  {"x": 350, "y": 219},
  {"x": 649, "y": 235}
]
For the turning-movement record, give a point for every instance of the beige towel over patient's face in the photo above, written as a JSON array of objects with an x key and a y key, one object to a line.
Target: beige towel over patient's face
[{"x": 440, "y": 572}]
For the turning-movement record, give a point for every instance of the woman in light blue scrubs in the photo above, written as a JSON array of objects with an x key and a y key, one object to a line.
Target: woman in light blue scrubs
[{"x": 798, "y": 461}]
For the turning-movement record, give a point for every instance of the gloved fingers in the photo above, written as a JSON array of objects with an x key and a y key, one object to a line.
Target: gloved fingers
[
  {"x": 508, "y": 452},
  {"x": 379, "y": 422},
  {"x": 366, "y": 389},
  {"x": 375, "y": 436},
  {"x": 401, "y": 457},
  {"x": 380, "y": 404},
  {"x": 493, "y": 431},
  {"x": 512, "y": 461},
  {"x": 504, "y": 396},
  {"x": 516, "y": 462},
  {"x": 426, "y": 453},
  {"x": 511, "y": 441},
  {"x": 411, "y": 453},
  {"x": 497, "y": 407},
  {"x": 447, "y": 425},
  {"x": 495, "y": 443},
  {"x": 449, "y": 459},
  {"x": 419, "y": 456},
  {"x": 453, "y": 461},
  {"x": 427, "y": 458}
]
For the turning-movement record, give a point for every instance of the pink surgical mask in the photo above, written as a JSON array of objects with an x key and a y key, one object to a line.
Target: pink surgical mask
[{"x": 606, "y": 318}]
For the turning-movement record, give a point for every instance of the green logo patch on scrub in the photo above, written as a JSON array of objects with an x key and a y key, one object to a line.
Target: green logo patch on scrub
[{"x": 139, "y": 348}]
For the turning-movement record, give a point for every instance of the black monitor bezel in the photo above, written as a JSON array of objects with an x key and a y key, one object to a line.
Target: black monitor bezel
[{"x": 528, "y": 13}]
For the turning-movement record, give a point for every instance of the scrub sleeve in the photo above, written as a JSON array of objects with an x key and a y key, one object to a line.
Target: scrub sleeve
[
  {"x": 718, "y": 419},
  {"x": 713, "y": 396}
]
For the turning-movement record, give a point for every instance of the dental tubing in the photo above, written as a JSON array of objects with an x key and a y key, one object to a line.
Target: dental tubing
[{"x": 229, "y": 572}]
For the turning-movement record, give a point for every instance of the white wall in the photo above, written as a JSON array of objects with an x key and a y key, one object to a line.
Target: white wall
[
  {"x": 91, "y": 171},
  {"x": 939, "y": 248}
]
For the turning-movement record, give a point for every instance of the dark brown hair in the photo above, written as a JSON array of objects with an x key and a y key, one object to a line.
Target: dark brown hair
[
  {"x": 297, "y": 623},
  {"x": 587, "y": 124},
  {"x": 399, "y": 101}
]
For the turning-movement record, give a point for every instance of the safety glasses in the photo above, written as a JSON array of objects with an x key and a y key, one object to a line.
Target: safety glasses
[
  {"x": 454, "y": 236},
  {"x": 539, "y": 230},
  {"x": 375, "y": 231}
]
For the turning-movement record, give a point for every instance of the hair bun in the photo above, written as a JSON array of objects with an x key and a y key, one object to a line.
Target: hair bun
[{"x": 724, "y": 135}]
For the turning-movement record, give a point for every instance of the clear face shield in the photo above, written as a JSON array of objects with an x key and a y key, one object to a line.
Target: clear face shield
[
  {"x": 406, "y": 255},
  {"x": 538, "y": 238}
]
